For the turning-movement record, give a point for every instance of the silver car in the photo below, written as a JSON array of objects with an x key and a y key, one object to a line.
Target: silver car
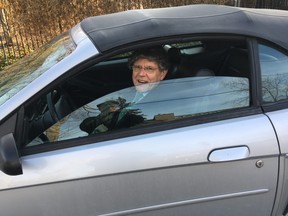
[{"x": 213, "y": 140}]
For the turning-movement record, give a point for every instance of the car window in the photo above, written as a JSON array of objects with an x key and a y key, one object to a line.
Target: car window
[
  {"x": 170, "y": 100},
  {"x": 19, "y": 75},
  {"x": 274, "y": 73},
  {"x": 103, "y": 99}
]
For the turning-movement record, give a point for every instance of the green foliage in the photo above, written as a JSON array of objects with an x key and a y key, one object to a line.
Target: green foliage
[{"x": 11, "y": 58}]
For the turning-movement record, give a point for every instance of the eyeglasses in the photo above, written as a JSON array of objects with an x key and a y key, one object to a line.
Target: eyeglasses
[{"x": 147, "y": 69}]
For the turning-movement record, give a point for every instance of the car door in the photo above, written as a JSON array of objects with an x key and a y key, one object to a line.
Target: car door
[
  {"x": 274, "y": 67},
  {"x": 225, "y": 168},
  {"x": 204, "y": 149}
]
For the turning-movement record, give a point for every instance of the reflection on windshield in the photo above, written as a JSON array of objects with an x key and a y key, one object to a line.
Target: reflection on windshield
[{"x": 20, "y": 74}]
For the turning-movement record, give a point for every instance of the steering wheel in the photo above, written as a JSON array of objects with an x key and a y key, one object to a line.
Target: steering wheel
[
  {"x": 60, "y": 104},
  {"x": 51, "y": 101},
  {"x": 44, "y": 138}
]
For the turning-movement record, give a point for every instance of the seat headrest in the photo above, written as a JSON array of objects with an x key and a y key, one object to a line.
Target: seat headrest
[
  {"x": 174, "y": 55},
  {"x": 204, "y": 72}
]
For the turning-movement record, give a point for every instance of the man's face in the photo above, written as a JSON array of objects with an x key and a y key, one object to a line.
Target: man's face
[{"x": 146, "y": 74}]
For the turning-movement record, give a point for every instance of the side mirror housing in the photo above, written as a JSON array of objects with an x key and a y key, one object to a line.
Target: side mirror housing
[{"x": 10, "y": 162}]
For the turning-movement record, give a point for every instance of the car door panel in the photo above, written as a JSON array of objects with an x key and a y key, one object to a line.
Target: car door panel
[
  {"x": 162, "y": 173},
  {"x": 280, "y": 126}
]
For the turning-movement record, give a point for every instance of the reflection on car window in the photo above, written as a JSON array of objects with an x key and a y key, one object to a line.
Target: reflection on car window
[
  {"x": 20, "y": 74},
  {"x": 274, "y": 72},
  {"x": 170, "y": 100},
  {"x": 102, "y": 98}
]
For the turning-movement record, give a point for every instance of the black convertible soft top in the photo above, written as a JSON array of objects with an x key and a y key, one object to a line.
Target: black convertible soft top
[{"x": 112, "y": 30}]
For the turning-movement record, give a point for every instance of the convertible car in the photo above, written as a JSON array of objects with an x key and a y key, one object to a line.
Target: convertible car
[{"x": 212, "y": 139}]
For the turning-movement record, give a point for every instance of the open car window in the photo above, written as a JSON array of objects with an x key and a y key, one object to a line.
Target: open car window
[{"x": 205, "y": 77}]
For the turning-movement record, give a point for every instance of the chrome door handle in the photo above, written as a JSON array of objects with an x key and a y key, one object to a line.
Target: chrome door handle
[{"x": 229, "y": 154}]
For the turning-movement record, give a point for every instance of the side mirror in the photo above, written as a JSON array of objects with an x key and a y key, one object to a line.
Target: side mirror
[{"x": 9, "y": 159}]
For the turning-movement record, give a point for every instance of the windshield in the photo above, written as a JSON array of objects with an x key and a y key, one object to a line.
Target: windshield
[{"x": 19, "y": 75}]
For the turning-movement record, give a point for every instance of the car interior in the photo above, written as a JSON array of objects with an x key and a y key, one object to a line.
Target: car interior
[
  {"x": 217, "y": 58},
  {"x": 191, "y": 59}
]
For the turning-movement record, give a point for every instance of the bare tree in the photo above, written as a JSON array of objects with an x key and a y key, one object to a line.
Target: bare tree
[
  {"x": 5, "y": 26},
  {"x": 275, "y": 88}
]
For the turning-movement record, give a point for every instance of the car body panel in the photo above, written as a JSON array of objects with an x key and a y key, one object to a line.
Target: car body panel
[
  {"x": 276, "y": 118},
  {"x": 131, "y": 163},
  {"x": 281, "y": 200},
  {"x": 279, "y": 124},
  {"x": 152, "y": 193}
]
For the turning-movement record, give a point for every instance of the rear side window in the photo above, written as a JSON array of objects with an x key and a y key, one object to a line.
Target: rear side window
[{"x": 274, "y": 74}]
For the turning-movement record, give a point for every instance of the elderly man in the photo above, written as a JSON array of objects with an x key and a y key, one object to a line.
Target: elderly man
[{"x": 149, "y": 66}]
